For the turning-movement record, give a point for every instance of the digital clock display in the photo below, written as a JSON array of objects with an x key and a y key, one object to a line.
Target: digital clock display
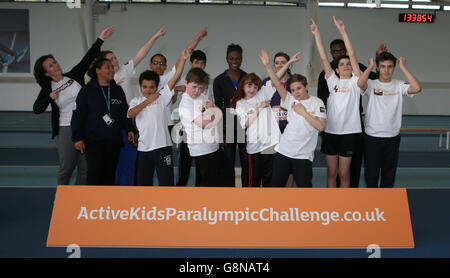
[{"x": 416, "y": 18}]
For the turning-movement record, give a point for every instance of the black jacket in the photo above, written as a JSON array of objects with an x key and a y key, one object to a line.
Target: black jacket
[
  {"x": 87, "y": 118},
  {"x": 224, "y": 90},
  {"x": 77, "y": 73}
]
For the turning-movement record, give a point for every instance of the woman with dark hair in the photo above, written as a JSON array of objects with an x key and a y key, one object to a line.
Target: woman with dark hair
[
  {"x": 224, "y": 87},
  {"x": 97, "y": 123},
  {"x": 60, "y": 90},
  {"x": 125, "y": 172}
]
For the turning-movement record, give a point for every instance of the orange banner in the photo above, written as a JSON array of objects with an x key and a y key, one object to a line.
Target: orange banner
[{"x": 230, "y": 217}]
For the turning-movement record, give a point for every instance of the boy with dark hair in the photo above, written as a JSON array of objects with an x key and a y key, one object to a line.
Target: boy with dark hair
[
  {"x": 155, "y": 145},
  {"x": 384, "y": 118},
  {"x": 200, "y": 119}
]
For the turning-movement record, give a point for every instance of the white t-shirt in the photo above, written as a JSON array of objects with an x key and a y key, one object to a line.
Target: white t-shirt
[
  {"x": 66, "y": 99},
  {"x": 264, "y": 132},
  {"x": 175, "y": 115},
  {"x": 343, "y": 105},
  {"x": 163, "y": 81},
  {"x": 299, "y": 139},
  {"x": 152, "y": 123},
  {"x": 123, "y": 76},
  {"x": 200, "y": 141},
  {"x": 384, "y": 110}
]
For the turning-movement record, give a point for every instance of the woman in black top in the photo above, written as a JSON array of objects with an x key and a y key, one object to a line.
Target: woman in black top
[
  {"x": 224, "y": 87},
  {"x": 48, "y": 74},
  {"x": 97, "y": 123}
]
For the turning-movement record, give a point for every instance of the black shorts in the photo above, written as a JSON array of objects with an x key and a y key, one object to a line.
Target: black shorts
[{"x": 343, "y": 144}]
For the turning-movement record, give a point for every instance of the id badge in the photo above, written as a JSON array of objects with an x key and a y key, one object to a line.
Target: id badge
[{"x": 108, "y": 120}]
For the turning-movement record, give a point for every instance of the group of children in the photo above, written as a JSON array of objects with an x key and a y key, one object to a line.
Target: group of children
[{"x": 279, "y": 151}]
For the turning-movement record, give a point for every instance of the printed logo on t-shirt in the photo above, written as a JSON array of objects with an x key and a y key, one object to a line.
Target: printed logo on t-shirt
[
  {"x": 65, "y": 85},
  {"x": 378, "y": 92},
  {"x": 322, "y": 109},
  {"x": 116, "y": 101},
  {"x": 340, "y": 90},
  {"x": 280, "y": 113}
]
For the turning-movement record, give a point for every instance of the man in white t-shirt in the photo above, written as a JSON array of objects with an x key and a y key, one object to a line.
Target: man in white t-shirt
[
  {"x": 384, "y": 118},
  {"x": 200, "y": 120}
]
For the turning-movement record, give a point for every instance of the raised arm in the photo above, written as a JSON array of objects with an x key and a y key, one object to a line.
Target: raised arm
[
  {"x": 321, "y": 49},
  {"x": 142, "y": 53},
  {"x": 81, "y": 68},
  {"x": 294, "y": 59},
  {"x": 203, "y": 33},
  {"x": 348, "y": 45},
  {"x": 415, "y": 86},
  {"x": 133, "y": 112},
  {"x": 179, "y": 67},
  {"x": 265, "y": 59},
  {"x": 362, "y": 81}
]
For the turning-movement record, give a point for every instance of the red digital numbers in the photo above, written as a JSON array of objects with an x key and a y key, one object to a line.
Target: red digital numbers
[{"x": 412, "y": 17}]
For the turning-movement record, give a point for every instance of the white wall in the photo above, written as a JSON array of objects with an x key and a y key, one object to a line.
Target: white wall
[{"x": 55, "y": 29}]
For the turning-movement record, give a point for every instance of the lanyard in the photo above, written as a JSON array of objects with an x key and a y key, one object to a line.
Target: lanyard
[{"x": 108, "y": 100}]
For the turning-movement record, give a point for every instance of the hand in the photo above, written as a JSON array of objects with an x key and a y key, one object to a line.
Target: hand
[
  {"x": 152, "y": 98},
  {"x": 187, "y": 52},
  {"x": 401, "y": 62},
  {"x": 296, "y": 57},
  {"x": 203, "y": 33},
  {"x": 79, "y": 145},
  {"x": 265, "y": 58},
  {"x": 371, "y": 62},
  {"x": 161, "y": 32},
  {"x": 381, "y": 48},
  {"x": 263, "y": 104},
  {"x": 107, "y": 33},
  {"x": 299, "y": 108},
  {"x": 314, "y": 28},
  {"x": 131, "y": 137},
  {"x": 339, "y": 24},
  {"x": 55, "y": 94}
]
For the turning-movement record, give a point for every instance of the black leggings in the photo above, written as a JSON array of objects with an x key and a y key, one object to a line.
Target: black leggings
[{"x": 102, "y": 159}]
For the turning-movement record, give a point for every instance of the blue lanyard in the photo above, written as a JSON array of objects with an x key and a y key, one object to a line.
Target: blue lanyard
[{"x": 108, "y": 100}]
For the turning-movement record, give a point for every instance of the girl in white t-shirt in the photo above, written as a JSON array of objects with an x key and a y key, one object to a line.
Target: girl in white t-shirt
[
  {"x": 306, "y": 117},
  {"x": 252, "y": 102},
  {"x": 343, "y": 118},
  {"x": 155, "y": 144}
]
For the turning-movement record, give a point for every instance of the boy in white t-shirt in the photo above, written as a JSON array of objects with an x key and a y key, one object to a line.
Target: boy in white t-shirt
[
  {"x": 343, "y": 119},
  {"x": 200, "y": 120},
  {"x": 384, "y": 118},
  {"x": 197, "y": 60},
  {"x": 158, "y": 64},
  {"x": 306, "y": 118},
  {"x": 155, "y": 144}
]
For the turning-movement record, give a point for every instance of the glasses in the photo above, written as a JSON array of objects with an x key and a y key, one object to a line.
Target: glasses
[{"x": 159, "y": 63}]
